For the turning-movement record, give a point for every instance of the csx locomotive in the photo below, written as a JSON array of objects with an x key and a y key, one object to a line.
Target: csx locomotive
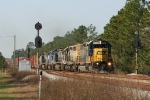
[{"x": 90, "y": 56}]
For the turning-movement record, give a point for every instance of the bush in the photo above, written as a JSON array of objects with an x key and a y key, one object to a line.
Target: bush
[
  {"x": 82, "y": 90},
  {"x": 13, "y": 72},
  {"x": 19, "y": 75}
]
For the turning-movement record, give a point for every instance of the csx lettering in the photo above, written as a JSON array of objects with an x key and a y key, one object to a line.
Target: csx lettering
[{"x": 101, "y": 52}]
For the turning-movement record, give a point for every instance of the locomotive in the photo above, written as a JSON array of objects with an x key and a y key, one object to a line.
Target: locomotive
[{"x": 89, "y": 56}]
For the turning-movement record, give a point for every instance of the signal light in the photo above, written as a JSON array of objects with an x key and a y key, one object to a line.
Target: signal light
[
  {"x": 38, "y": 26},
  {"x": 137, "y": 43},
  {"x": 38, "y": 42}
]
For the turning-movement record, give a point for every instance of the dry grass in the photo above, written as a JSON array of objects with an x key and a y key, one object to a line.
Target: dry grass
[
  {"x": 20, "y": 89},
  {"x": 90, "y": 90},
  {"x": 81, "y": 90},
  {"x": 104, "y": 89},
  {"x": 18, "y": 76}
]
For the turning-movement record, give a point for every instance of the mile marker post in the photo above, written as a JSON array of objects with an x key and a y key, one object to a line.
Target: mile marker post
[{"x": 40, "y": 85}]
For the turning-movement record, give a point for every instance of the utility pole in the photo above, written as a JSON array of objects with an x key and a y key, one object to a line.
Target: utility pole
[
  {"x": 18, "y": 51},
  {"x": 136, "y": 58},
  {"x": 14, "y": 50}
]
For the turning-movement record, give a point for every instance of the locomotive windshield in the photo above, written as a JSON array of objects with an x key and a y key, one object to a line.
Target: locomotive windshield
[{"x": 100, "y": 46}]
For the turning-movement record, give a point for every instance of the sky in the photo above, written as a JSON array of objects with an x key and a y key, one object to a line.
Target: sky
[{"x": 18, "y": 17}]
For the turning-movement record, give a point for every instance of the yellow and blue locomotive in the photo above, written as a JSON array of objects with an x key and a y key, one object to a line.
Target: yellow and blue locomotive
[
  {"x": 99, "y": 52},
  {"x": 89, "y": 56}
]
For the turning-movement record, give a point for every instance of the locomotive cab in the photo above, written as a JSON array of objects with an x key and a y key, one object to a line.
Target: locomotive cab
[{"x": 99, "y": 52}]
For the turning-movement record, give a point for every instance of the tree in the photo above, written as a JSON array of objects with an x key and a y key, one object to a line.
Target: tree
[
  {"x": 121, "y": 31},
  {"x": 2, "y": 61},
  {"x": 91, "y": 34},
  {"x": 80, "y": 34}
]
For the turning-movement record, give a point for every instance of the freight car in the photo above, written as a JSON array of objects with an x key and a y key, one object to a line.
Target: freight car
[
  {"x": 39, "y": 61},
  {"x": 8, "y": 62},
  {"x": 33, "y": 59},
  {"x": 17, "y": 61}
]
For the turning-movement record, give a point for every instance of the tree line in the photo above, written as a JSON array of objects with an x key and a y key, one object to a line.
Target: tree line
[
  {"x": 2, "y": 61},
  {"x": 132, "y": 21}
]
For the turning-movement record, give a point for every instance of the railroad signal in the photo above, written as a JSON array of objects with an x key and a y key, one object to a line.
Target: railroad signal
[
  {"x": 38, "y": 42},
  {"x": 38, "y": 26},
  {"x": 137, "y": 43},
  {"x": 28, "y": 52}
]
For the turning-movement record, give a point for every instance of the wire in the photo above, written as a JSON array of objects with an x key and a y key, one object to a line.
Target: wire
[{"x": 6, "y": 36}]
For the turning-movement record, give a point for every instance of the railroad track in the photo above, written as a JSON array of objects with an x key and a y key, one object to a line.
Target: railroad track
[{"x": 137, "y": 81}]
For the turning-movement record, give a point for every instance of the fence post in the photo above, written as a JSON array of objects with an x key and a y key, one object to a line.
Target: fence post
[
  {"x": 5, "y": 72},
  {"x": 40, "y": 85}
]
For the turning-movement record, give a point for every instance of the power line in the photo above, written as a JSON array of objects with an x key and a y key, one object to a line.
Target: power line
[{"x": 6, "y": 36}]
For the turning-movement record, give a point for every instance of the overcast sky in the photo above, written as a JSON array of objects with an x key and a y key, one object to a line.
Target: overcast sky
[{"x": 18, "y": 17}]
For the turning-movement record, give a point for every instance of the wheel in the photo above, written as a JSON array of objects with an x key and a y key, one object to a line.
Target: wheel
[
  {"x": 70, "y": 68},
  {"x": 79, "y": 70},
  {"x": 87, "y": 68},
  {"x": 53, "y": 67},
  {"x": 90, "y": 68},
  {"x": 74, "y": 68}
]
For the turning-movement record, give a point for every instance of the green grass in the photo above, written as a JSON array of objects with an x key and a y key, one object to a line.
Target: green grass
[{"x": 5, "y": 86}]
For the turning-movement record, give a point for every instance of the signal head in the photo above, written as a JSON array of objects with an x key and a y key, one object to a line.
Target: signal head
[
  {"x": 38, "y": 42},
  {"x": 38, "y": 26}
]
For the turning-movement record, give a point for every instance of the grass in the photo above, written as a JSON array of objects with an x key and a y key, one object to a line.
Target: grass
[
  {"x": 81, "y": 90},
  {"x": 104, "y": 89},
  {"x": 12, "y": 87}
]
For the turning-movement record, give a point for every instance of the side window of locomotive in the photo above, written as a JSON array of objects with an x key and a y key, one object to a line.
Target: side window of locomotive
[
  {"x": 90, "y": 50},
  {"x": 90, "y": 47},
  {"x": 70, "y": 48},
  {"x": 42, "y": 56},
  {"x": 74, "y": 48}
]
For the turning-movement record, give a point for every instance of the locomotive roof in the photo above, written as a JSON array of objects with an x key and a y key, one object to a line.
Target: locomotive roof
[
  {"x": 98, "y": 41},
  {"x": 65, "y": 48}
]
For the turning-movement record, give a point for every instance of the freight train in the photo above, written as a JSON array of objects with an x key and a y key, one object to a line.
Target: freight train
[
  {"x": 89, "y": 56},
  {"x": 94, "y": 55},
  {"x": 10, "y": 62}
]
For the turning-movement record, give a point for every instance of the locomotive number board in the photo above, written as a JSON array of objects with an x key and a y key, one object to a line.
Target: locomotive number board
[{"x": 99, "y": 42}]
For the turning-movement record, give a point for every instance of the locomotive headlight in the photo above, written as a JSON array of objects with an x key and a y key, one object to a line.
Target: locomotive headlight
[
  {"x": 109, "y": 63},
  {"x": 97, "y": 63}
]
